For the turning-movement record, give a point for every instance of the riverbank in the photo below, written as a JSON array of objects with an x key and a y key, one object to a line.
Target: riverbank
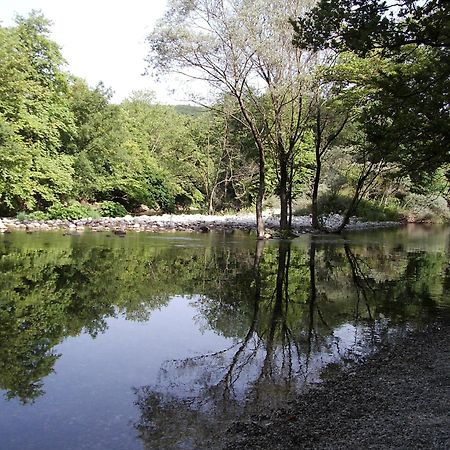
[
  {"x": 399, "y": 398},
  {"x": 182, "y": 222}
]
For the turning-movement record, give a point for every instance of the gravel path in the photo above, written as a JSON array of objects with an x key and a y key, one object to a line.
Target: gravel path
[{"x": 398, "y": 399}]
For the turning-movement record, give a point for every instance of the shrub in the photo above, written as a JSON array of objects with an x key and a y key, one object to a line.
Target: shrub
[
  {"x": 112, "y": 209},
  {"x": 71, "y": 212},
  {"x": 22, "y": 216},
  {"x": 38, "y": 215},
  {"x": 426, "y": 208},
  {"x": 369, "y": 210}
]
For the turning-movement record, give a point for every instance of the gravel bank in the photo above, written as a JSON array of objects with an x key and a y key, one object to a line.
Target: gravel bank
[
  {"x": 397, "y": 399},
  {"x": 187, "y": 223}
]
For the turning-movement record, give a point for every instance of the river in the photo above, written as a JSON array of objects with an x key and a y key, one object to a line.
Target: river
[{"x": 159, "y": 341}]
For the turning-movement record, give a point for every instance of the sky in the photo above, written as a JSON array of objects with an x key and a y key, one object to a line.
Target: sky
[{"x": 103, "y": 41}]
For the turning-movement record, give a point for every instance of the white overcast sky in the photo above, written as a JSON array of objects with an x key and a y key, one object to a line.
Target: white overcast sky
[{"x": 102, "y": 40}]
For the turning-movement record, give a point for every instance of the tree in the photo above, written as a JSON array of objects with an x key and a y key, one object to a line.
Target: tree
[
  {"x": 34, "y": 117},
  {"x": 225, "y": 159},
  {"x": 244, "y": 49},
  {"x": 340, "y": 96},
  {"x": 407, "y": 118},
  {"x": 164, "y": 137}
]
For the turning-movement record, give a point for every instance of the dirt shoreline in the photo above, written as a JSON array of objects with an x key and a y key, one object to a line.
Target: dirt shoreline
[{"x": 396, "y": 399}]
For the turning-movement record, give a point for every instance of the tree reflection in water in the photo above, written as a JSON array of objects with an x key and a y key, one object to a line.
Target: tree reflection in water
[
  {"x": 330, "y": 305},
  {"x": 287, "y": 309}
]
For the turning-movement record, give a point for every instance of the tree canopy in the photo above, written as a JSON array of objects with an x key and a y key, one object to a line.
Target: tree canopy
[{"x": 407, "y": 118}]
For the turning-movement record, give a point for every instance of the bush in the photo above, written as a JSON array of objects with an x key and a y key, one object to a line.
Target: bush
[
  {"x": 112, "y": 209},
  {"x": 74, "y": 211},
  {"x": 369, "y": 210},
  {"x": 372, "y": 211},
  {"x": 426, "y": 208},
  {"x": 38, "y": 215},
  {"x": 22, "y": 216}
]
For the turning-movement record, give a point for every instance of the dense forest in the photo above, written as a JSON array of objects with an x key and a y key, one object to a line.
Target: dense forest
[{"x": 304, "y": 114}]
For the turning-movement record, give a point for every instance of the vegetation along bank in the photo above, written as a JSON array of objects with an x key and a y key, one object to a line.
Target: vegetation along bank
[{"x": 356, "y": 126}]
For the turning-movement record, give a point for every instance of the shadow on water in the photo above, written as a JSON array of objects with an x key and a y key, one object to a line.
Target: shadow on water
[{"x": 288, "y": 311}]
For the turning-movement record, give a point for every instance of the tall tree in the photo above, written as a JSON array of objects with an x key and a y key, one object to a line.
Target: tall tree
[
  {"x": 35, "y": 116},
  {"x": 244, "y": 48}
]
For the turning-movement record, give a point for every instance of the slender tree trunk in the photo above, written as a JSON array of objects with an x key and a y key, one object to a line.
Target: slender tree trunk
[
  {"x": 290, "y": 205},
  {"x": 318, "y": 156},
  {"x": 290, "y": 185},
  {"x": 260, "y": 198},
  {"x": 315, "y": 195},
  {"x": 211, "y": 200},
  {"x": 284, "y": 225},
  {"x": 262, "y": 169},
  {"x": 354, "y": 203}
]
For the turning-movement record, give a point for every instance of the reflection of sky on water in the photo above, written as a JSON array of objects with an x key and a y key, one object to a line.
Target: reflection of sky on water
[
  {"x": 191, "y": 379},
  {"x": 89, "y": 400}
]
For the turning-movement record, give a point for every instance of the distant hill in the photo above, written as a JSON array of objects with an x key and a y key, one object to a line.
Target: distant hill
[{"x": 190, "y": 110}]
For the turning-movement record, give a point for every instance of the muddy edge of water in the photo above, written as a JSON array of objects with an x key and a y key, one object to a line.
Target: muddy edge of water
[{"x": 398, "y": 398}]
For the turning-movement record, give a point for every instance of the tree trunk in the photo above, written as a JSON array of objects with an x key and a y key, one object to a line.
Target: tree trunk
[
  {"x": 260, "y": 198},
  {"x": 262, "y": 169},
  {"x": 290, "y": 204},
  {"x": 315, "y": 195},
  {"x": 318, "y": 156},
  {"x": 284, "y": 224},
  {"x": 211, "y": 200},
  {"x": 355, "y": 200}
]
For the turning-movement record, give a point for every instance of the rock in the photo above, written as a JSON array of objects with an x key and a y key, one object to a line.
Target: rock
[
  {"x": 72, "y": 233},
  {"x": 142, "y": 209}
]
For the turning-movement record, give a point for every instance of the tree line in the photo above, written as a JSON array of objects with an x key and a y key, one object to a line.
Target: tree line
[
  {"x": 63, "y": 141},
  {"x": 323, "y": 117},
  {"x": 359, "y": 79}
]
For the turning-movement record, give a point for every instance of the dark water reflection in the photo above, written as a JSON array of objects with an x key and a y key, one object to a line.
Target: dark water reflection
[{"x": 157, "y": 341}]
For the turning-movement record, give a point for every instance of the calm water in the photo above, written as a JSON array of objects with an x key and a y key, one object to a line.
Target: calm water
[{"x": 157, "y": 341}]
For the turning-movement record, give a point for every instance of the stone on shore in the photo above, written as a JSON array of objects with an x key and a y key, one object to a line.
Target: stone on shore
[{"x": 182, "y": 222}]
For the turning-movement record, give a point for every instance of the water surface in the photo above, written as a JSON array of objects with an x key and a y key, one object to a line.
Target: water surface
[{"x": 159, "y": 340}]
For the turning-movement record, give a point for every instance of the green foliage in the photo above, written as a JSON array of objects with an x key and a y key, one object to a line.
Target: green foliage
[
  {"x": 62, "y": 141},
  {"x": 429, "y": 208},
  {"x": 371, "y": 210},
  {"x": 406, "y": 116},
  {"x": 73, "y": 211},
  {"x": 38, "y": 215},
  {"x": 34, "y": 117},
  {"x": 112, "y": 209},
  {"x": 190, "y": 110},
  {"x": 22, "y": 216}
]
